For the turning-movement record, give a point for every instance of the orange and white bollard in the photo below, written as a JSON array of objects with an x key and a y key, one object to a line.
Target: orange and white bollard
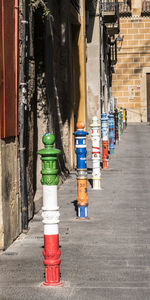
[{"x": 82, "y": 196}]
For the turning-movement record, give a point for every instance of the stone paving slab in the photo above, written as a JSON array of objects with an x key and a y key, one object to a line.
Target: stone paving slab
[{"x": 105, "y": 257}]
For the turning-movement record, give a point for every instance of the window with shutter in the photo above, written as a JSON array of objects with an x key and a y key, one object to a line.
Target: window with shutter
[{"x": 8, "y": 69}]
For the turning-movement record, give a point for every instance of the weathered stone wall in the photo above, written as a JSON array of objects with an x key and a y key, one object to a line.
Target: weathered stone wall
[
  {"x": 1, "y": 206},
  {"x": 49, "y": 91},
  {"x": 129, "y": 79},
  {"x": 9, "y": 197},
  {"x": 50, "y": 107}
]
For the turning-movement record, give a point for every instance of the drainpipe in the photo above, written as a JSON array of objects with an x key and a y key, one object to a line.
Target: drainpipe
[
  {"x": 23, "y": 116},
  {"x": 16, "y": 8},
  {"x": 101, "y": 29}
]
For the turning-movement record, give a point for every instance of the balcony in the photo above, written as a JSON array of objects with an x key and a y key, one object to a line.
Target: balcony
[
  {"x": 109, "y": 11},
  {"x": 113, "y": 28},
  {"x": 76, "y": 5},
  {"x": 124, "y": 9}
]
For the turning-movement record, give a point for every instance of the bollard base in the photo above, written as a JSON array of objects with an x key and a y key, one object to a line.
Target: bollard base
[
  {"x": 105, "y": 165},
  {"x": 111, "y": 151},
  {"x": 52, "y": 284},
  {"x": 96, "y": 184},
  {"x": 82, "y": 212},
  {"x": 82, "y": 219}
]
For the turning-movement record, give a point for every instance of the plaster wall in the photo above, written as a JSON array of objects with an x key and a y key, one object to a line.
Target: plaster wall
[{"x": 93, "y": 72}]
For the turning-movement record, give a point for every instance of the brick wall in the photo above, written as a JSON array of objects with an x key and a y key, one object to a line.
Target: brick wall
[{"x": 129, "y": 79}]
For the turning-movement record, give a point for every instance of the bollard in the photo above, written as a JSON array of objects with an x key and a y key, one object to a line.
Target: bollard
[
  {"x": 111, "y": 132},
  {"x": 82, "y": 196},
  {"x": 118, "y": 123},
  {"x": 96, "y": 174},
  {"x": 104, "y": 127},
  {"x": 116, "y": 126},
  {"x": 121, "y": 121},
  {"x": 124, "y": 119},
  {"x": 50, "y": 211}
]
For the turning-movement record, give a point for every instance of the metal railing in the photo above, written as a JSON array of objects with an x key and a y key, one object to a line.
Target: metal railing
[
  {"x": 124, "y": 8},
  {"x": 76, "y": 4},
  {"x": 109, "y": 6},
  {"x": 109, "y": 11}
]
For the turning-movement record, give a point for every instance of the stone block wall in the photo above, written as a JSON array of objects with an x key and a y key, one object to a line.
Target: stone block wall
[{"x": 129, "y": 79}]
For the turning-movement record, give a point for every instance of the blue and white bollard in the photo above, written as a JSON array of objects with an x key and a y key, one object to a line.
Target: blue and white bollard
[
  {"x": 111, "y": 132},
  {"x": 121, "y": 121},
  {"x": 96, "y": 174},
  {"x": 104, "y": 126},
  {"x": 80, "y": 138},
  {"x": 116, "y": 126},
  {"x": 82, "y": 196}
]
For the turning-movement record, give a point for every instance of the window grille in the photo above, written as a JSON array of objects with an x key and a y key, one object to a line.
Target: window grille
[
  {"x": 145, "y": 8},
  {"x": 125, "y": 8}
]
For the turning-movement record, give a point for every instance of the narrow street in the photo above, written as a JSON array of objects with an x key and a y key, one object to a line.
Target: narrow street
[{"x": 105, "y": 257}]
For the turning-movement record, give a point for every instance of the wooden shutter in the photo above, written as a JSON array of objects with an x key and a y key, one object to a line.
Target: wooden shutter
[{"x": 8, "y": 68}]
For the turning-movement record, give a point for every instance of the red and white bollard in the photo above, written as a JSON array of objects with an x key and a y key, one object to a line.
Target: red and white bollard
[
  {"x": 96, "y": 174},
  {"x": 51, "y": 251},
  {"x": 50, "y": 212}
]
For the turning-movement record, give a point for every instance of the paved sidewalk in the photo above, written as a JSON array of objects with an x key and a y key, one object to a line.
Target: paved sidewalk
[{"x": 106, "y": 257}]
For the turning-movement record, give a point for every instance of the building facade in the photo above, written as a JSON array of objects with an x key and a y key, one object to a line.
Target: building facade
[
  {"x": 62, "y": 62},
  {"x": 102, "y": 29},
  {"x": 131, "y": 79},
  {"x": 42, "y": 88}
]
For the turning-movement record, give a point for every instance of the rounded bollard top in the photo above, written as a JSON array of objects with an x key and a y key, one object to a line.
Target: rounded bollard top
[
  {"x": 111, "y": 114},
  {"x": 80, "y": 125},
  {"x": 104, "y": 117},
  {"x": 80, "y": 129},
  {"x": 48, "y": 141},
  {"x": 95, "y": 122}
]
